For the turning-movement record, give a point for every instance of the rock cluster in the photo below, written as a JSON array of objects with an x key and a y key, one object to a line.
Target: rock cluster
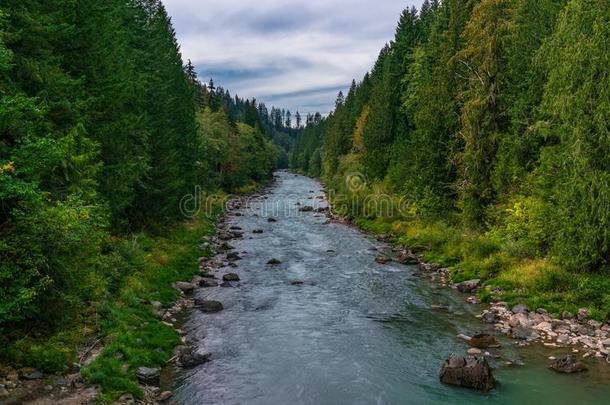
[{"x": 526, "y": 326}]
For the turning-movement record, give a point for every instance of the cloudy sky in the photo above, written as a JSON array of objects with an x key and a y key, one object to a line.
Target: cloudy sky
[{"x": 295, "y": 54}]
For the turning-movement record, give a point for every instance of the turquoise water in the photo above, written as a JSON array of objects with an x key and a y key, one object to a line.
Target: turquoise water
[{"x": 356, "y": 332}]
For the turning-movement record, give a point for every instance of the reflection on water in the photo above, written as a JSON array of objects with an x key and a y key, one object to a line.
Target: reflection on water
[{"x": 355, "y": 332}]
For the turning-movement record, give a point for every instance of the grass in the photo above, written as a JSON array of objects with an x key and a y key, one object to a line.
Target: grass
[
  {"x": 144, "y": 267},
  {"x": 134, "y": 337}
]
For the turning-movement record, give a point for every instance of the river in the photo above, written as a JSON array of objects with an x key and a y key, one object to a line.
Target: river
[{"x": 355, "y": 331}]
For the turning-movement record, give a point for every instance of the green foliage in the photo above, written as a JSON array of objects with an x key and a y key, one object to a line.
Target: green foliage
[{"x": 103, "y": 131}]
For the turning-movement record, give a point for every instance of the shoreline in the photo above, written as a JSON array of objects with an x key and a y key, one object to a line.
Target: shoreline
[{"x": 586, "y": 337}]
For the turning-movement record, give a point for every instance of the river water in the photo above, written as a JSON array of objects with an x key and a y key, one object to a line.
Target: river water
[{"x": 355, "y": 331}]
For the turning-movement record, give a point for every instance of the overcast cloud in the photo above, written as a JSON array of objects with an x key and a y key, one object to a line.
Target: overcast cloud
[{"x": 294, "y": 54}]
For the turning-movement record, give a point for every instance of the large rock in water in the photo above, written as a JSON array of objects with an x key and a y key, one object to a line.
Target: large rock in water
[
  {"x": 208, "y": 306},
  {"x": 468, "y": 372},
  {"x": 230, "y": 277},
  {"x": 148, "y": 376},
  {"x": 483, "y": 341},
  {"x": 568, "y": 365}
]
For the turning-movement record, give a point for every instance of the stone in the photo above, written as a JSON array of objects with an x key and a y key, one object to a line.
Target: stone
[
  {"x": 383, "y": 259},
  {"x": 149, "y": 376},
  {"x": 296, "y": 282},
  {"x": 271, "y": 219},
  {"x": 482, "y": 341},
  {"x": 468, "y": 286},
  {"x": 225, "y": 246},
  {"x": 583, "y": 314},
  {"x": 274, "y": 261},
  {"x": 206, "y": 282},
  {"x": 567, "y": 365},
  {"x": 257, "y": 231},
  {"x": 184, "y": 286},
  {"x": 522, "y": 333},
  {"x": 606, "y": 342},
  {"x": 566, "y": 315},
  {"x": 233, "y": 256},
  {"x": 473, "y": 351},
  {"x": 164, "y": 396},
  {"x": 190, "y": 358},
  {"x": 489, "y": 317},
  {"x": 208, "y": 306},
  {"x": 407, "y": 257},
  {"x": 469, "y": 372},
  {"x": 33, "y": 375},
  {"x": 307, "y": 208},
  {"x": 520, "y": 309},
  {"x": 230, "y": 277}
]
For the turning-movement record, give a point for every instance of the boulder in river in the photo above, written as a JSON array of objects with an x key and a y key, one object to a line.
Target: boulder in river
[
  {"x": 489, "y": 317},
  {"x": 274, "y": 262},
  {"x": 233, "y": 256},
  {"x": 230, "y": 277},
  {"x": 307, "y": 208},
  {"x": 149, "y": 376},
  {"x": 483, "y": 341},
  {"x": 468, "y": 286},
  {"x": 206, "y": 282},
  {"x": 271, "y": 219},
  {"x": 257, "y": 231},
  {"x": 468, "y": 372},
  {"x": 208, "y": 306},
  {"x": 296, "y": 282},
  {"x": 567, "y": 365},
  {"x": 523, "y": 333},
  {"x": 188, "y": 357}
]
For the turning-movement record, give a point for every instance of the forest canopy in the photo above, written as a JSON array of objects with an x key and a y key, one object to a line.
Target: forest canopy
[{"x": 491, "y": 116}]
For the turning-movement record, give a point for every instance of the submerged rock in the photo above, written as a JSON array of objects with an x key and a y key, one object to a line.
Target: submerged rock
[
  {"x": 307, "y": 208},
  {"x": 468, "y": 372},
  {"x": 208, "y": 306},
  {"x": 567, "y": 365},
  {"x": 274, "y": 261},
  {"x": 271, "y": 219},
  {"x": 257, "y": 231},
  {"x": 483, "y": 341},
  {"x": 148, "y": 376},
  {"x": 208, "y": 283},
  {"x": 296, "y": 282}
]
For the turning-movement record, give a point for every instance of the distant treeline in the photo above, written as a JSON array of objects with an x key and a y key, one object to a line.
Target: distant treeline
[
  {"x": 493, "y": 115},
  {"x": 103, "y": 130}
]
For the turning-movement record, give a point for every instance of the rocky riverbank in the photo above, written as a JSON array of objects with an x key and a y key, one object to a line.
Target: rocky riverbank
[
  {"x": 586, "y": 337},
  {"x": 583, "y": 337}
]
